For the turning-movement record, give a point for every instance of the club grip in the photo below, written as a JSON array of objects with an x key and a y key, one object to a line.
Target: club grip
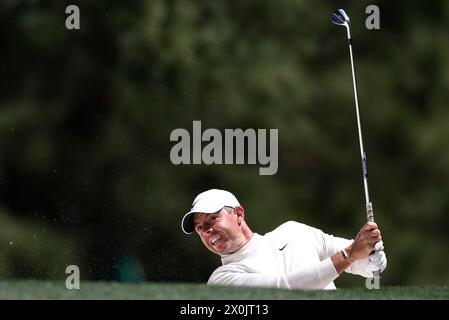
[{"x": 369, "y": 212}]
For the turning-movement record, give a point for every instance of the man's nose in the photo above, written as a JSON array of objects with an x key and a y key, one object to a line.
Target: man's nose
[{"x": 207, "y": 229}]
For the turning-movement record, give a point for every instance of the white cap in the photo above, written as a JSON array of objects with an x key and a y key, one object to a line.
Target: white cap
[{"x": 209, "y": 201}]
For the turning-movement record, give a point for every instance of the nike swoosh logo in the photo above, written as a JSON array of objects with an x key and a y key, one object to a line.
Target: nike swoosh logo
[{"x": 280, "y": 249}]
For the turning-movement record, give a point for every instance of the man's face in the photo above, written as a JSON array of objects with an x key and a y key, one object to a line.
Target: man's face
[{"x": 220, "y": 231}]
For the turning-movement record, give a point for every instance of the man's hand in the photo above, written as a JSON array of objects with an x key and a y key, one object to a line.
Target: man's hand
[
  {"x": 365, "y": 267},
  {"x": 365, "y": 242}
]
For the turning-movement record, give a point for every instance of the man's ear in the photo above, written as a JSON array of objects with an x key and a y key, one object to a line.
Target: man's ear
[{"x": 240, "y": 212}]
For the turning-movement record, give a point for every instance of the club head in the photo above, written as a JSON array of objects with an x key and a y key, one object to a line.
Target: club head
[{"x": 339, "y": 17}]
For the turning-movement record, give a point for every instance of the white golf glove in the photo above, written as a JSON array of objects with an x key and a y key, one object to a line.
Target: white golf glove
[
  {"x": 366, "y": 267},
  {"x": 379, "y": 245}
]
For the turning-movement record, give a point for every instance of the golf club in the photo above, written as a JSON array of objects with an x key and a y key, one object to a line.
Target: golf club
[{"x": 339, "y": 17}]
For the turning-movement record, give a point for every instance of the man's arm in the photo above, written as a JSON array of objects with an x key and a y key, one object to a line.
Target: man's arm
[
  {"x": 340, "y": 261},
  {"x": 238, "y": 276},
  {"x": 315, "y": 276},
  {"x": 358, "y": 260}
]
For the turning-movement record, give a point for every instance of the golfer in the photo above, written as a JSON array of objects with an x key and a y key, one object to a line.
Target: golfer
[{"x": 293, "y": 255}]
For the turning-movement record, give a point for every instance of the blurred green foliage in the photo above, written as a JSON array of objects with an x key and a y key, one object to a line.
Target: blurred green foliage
[
  {"x": 29, "y": 249},
  {"x": 86, "y": 116}
]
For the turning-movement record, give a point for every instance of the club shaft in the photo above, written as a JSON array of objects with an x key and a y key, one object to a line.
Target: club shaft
[{"x": 369, "y": 206}]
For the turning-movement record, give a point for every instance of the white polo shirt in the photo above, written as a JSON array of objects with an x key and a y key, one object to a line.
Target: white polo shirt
[{"x": 294, "y": 256}]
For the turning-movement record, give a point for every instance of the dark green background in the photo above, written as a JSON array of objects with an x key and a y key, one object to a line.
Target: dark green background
[{"x": 86, "y": 116}]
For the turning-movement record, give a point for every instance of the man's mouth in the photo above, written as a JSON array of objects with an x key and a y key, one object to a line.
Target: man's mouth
[{"x": 215, "y": 240}]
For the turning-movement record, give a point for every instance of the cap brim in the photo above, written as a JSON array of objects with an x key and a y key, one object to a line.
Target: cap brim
[{"x": 187, "y": 221}]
